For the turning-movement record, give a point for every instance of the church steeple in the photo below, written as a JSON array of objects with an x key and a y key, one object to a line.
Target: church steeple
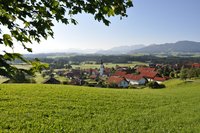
[{"x": 101, "y": 68}]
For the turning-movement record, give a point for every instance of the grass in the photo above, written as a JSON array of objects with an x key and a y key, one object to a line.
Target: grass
[
  {"x": 109, "y": 65},
  {"x": 60, "y": 108}
]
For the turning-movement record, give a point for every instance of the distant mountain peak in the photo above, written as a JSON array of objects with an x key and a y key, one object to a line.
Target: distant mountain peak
[
  {"x": 178, "y": 47},
  {"x": 120, "y": 50}
]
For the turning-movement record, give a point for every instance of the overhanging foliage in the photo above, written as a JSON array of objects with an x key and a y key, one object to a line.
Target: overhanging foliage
[{"x": 31, "y": 20}]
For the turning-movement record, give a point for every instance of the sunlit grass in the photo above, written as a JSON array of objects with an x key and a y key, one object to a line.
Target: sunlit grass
[{"x": 60, "y": 108}]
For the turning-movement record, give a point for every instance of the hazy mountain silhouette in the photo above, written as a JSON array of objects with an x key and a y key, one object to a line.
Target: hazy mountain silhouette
[
  {"x": 120, "y": 50},
  {"x": 179, "y": 47}
]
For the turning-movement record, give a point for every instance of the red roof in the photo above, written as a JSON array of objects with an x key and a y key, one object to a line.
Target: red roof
[
  {"x": 133, "y": 77},
  {"x": 107, "y": 70},
  {"x": 93, "y": 76},
  {"x": 149, "y": 74},
  {"x": 119, "y": 73},
  {"x": 159, "y": 79},
  {"x": 145, "y": 69},
  {"x": 196, "y": 65},
  {"x": 115, "y": 79}
]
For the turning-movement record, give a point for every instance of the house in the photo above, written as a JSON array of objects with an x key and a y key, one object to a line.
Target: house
[
  {"x": 60, "y": 72},
  {"x": 51, "y": 80},
  {"x": 119, "y": 73},
  {"x": 91, "y": 71},
  {"x": 107, "y": 71},
  {"x": 149, "y": 75},
  {"x": 121, "y": 68},
  {"x": 93, "y": 76},
  {"x": 136, "y": 79},
  {"x": 196, "y": 65},
  {"x": 118, "y": 81},
  {"x": 159, "y": 80},
  {"x": 73, "y": 73},
  {"x": 76, "y": 81},
  {"x": 145, "y": 69}
]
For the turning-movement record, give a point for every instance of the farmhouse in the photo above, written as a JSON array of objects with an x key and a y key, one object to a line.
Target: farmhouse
[
  {"x": 93, "y": 76},
  {"x": 51, "y": 80},
  {"x": 76, "y": 81},
  {"x": 121, "y": 68},
  {"x": 159, "y": 79},
  {"x": 196, "y": 65},
  {"x": 118, "y": 81},
  {"x": 145, "y": 69},
  {"x": 149, "y": 75},
  {"x": 119, "y": 73},
  {"x": 136, "y": 79},
  {"x": 107, "y": 71},
  {"x": 74, "y": 73}
]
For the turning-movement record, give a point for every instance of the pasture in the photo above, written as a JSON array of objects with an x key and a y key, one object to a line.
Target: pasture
[
  {"x": 63, "y": 108},
  {"x": 109, "y": 65}
]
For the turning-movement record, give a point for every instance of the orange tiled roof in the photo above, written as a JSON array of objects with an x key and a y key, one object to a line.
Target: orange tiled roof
[
  {"x": 146, "y": 69},
  {"x": 115, "y": 79},
  {"x": 148, "y": 74},
  {"x": 196, "y": 65},
  {"x": 119, "y": 73},
  {"x": 133, "y": 77}
]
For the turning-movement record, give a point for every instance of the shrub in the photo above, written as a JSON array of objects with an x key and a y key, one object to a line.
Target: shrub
[
  {"x": 112, "y": 85},
  {"x": 155, "y": 85},
  {"x": 132, "y": 87},
  {"x": 65, "y": 82}
]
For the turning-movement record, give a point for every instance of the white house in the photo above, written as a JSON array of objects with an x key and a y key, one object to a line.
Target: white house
[
  {"x": 119, "y": 81},
  {"x": 136, "y": 79}
]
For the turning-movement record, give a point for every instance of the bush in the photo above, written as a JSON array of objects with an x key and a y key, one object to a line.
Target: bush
[
  {"x": 65, "y": 82},
  {"x": 132, "y": 87},
  {"x": 112, "y": 85},
  {"x": 155, "y": 85}
]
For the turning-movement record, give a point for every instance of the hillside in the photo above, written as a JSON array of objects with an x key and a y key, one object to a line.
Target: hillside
[
  {"x": 178, "y": 47},
  {"x": 120, "y": 50},
  {"x": 62, "y": 108}
]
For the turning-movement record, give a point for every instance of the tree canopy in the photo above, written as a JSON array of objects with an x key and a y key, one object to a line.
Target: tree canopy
[{"x": 26, "y": 21}]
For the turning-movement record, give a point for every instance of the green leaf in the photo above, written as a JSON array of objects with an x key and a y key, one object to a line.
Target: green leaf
[
  {"x": 7, "y": 40},
  {"x": 27, "y": 24}
]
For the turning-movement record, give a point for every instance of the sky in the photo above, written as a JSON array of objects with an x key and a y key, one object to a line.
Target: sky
[{"x": 148, "y": 22}]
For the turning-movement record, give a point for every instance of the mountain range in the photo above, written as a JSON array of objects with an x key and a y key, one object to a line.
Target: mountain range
[
  {"x": 167, "y": 48},
  {"x": 120, "y": 50}
]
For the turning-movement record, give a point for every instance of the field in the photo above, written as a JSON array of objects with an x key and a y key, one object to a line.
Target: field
[
  {"x": 63, "y": 108},
  {"x": 109, "y": 65}
]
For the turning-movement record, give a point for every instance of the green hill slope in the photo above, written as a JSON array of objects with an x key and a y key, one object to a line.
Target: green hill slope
[{"x": 59, "y": 108}]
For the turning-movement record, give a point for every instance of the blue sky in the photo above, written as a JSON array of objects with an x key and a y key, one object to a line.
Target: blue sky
[{"x": 148, "y": 22}]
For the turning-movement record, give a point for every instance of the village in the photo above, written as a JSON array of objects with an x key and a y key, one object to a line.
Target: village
[{"x": 137, "y": 76}]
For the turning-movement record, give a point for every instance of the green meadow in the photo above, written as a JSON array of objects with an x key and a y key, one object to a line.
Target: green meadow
[
  {"x": 63, "y": 108},
  {"x": 109, "y": 65}
]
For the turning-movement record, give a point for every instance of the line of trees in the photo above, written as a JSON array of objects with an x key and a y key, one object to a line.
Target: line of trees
[
  {"x": 189, "y": 73},
  {"x": 120, "y": 59}
]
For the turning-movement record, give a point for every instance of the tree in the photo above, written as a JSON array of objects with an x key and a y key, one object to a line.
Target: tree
[
  {"x": 183, "y": 73},
  {"x": 192, "y": 73},
  {"x": 172, "y": 74},
  {"x": 28, "y": 21},
  {"x": 68, "y": 66}
]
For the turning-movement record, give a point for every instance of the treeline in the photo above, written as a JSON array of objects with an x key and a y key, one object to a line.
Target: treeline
[
  {"x": 61, "y": 61},
  {"x": 189, "y": 73}
]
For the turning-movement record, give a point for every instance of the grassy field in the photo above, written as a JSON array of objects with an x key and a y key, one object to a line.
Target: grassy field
[
  {"x": 60, "y": 108},
  {"x": 109, "y": 65}
]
